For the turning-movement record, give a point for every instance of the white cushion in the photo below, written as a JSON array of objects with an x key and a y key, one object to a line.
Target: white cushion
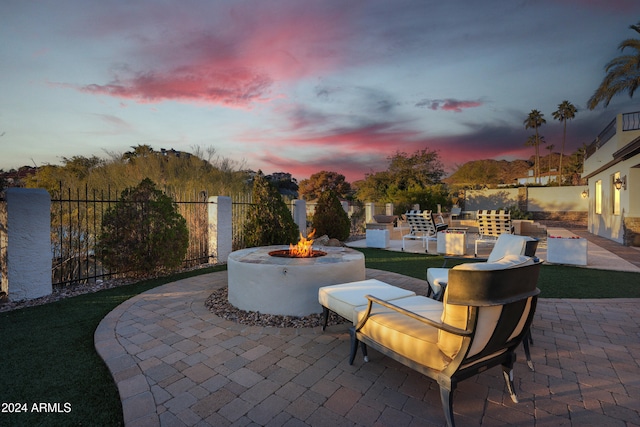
[
  {"x": 347, "y": 298},
  {"x": 437, "y": 278},
  {"x": 406, "y": 336},
  {"x": 509, "y": 244}
]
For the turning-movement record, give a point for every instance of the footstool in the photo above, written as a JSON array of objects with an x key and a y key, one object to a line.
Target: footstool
[{"x": 347, "y": 299}]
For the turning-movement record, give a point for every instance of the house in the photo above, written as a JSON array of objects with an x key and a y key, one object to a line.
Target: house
[{"x": 612, "y": 167}]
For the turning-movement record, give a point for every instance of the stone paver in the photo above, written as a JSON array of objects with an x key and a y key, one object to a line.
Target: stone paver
[{"x": 176, "y": 363}]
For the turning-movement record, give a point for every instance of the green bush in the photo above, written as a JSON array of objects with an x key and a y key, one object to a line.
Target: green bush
[
  {"x": 330, "y": 218},
  {"x": 269, "y": 221},
  {"x": 143, "y": 232}
]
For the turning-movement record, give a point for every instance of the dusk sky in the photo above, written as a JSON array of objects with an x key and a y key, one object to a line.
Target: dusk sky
[{"x": 303, "y": 86}]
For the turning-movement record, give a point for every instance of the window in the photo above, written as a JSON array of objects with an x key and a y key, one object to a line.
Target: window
[
  {"x": 616, "y": 194},
  {"x": 599, "y": 196}
]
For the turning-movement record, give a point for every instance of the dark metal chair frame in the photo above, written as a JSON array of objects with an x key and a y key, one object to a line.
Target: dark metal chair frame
[{"x": 512, "y": 288}]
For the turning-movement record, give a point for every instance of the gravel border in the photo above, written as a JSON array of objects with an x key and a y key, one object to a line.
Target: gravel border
[{"x": 218, "y": 304}]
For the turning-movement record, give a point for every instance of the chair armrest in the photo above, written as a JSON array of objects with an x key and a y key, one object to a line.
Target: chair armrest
[
  {"x": 439, "y": 325},
  {"x": 461, "y": 258}
]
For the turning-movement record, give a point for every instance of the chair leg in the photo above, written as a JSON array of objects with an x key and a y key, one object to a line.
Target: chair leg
[
  {"x": 527, "y": 352},
  {"x": 325, "y": 317},
  {"x": 354, "y": 346},
  {"x": 507, "y": 373},
  {"x": 447, "y": 405}
]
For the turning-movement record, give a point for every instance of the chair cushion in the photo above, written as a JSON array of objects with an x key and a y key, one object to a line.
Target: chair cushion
[
  {"x": 437, "y": 278},
  {"x": 509, "y": 244},
  {"x": 406, "y": 336},
  {"x": 347, "y": 299}
]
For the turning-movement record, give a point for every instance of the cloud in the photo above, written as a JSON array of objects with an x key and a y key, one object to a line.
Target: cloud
[
  {"x": 448, "y": 104},
  {"x": 231, "y": 88},
  {"x": 237, "y": 63}
]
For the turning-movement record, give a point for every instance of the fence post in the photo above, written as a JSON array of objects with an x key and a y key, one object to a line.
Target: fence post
[
  {"x": 28, "y": 243},
  {"x": 299, "y": 211},
  {"x": 220, "y": 228},
  {"x": 388, "y": 208},
  {"x": 369, "y": 212}
]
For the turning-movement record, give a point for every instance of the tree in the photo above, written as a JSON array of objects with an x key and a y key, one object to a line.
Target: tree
[
  {"x": 410, "y": 179},
  {"x": 269, "y": 221},
  {"x": 330, "y": 218},
  {"x": 534, "y": 120},
  {"x": 550, "y": 147},
  {"x": 422, "y": 168},
  {"x": 623, "y": 73},
  {"x": 323, "y": 181},
  {"x": 143, "y": 232},
  {"x": 566, "y": 111}
]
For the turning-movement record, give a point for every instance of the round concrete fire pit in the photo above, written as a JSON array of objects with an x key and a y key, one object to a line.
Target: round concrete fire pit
[{"x": 288, "y": 286}]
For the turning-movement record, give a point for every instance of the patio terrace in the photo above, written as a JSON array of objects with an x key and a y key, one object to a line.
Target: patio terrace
[{"x": 176, "y": 363}]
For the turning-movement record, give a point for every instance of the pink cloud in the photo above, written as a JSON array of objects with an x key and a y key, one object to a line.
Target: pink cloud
[
  {"x": 208, "y": 86},
  {"x": 237, "y": 64}
]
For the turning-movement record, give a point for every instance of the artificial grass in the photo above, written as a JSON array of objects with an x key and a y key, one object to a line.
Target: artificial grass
[
  {"x": 47, "y": 353},
  {"x": 47, "y": 356}
]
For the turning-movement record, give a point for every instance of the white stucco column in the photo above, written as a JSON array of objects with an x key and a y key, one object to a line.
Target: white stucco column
[
  {"x": 220, "y": 228},
  {"x": 28, "y": 243},
  {"x": 299, "y": 213},
  {"x": 369, "y": 212},
  {"x": 388, "y": 209}
]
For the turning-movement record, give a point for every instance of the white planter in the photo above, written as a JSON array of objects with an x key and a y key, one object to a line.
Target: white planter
[
  {"x": 377, "y": 238},
  {"x": 452, "y": 242},
  {"x": 567, "y": 250}
]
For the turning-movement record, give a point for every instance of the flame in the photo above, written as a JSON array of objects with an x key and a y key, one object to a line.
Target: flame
[{"x": 304, "y": 247}]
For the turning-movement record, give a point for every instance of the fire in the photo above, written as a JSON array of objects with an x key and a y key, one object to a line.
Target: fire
[{"x": 304, "y": 247}]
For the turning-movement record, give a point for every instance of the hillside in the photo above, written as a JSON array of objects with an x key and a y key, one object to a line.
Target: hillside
[{"x": 489, "y": 172}]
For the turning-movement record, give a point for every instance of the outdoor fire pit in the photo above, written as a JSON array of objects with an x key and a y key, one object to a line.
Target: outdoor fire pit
[{"x": 268, "y": 280}]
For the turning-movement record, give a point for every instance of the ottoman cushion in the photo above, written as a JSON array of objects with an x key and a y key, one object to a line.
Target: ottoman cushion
[{"x": 347, "y": 299}]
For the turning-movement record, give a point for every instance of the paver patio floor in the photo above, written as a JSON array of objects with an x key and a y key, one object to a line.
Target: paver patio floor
[{"x": 175, "y": 363}]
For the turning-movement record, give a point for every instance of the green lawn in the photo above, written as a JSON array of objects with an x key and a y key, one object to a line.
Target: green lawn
[{"x": 47, "y": 353}]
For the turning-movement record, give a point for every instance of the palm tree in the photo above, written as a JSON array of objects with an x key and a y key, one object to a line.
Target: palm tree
[
  {"x": 550, "y": 147},
  {"x": 566, "y": 111},
  {"x": 534, "y": 120},
  {"x": 623, "y": 73}
]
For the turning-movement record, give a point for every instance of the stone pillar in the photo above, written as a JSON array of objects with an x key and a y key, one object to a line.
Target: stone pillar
[
  {"x": 299, "y": 212},
  {"x": 28, "y": 258},
  {"x": 388, "y": 209},
  {"x": 369, "y": 212},
  {"x": 220, "y": 228}
]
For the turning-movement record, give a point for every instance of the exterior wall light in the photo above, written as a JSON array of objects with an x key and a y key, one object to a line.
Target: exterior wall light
[
  {"x": 620, "y": 184},
  {"x": 585, "y": 194}
]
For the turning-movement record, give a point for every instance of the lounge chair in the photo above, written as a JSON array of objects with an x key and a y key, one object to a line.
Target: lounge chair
[
  {"x": 485, "y": 315},
  {"x": 491, "y": 224},
  {"x": 422, "y": 226}
]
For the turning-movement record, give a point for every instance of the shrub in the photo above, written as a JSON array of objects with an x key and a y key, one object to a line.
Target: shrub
[
  {"x": 269, "y": 221},
  {"x": 143, "y": 232},
  {"x": 330, "y": 218},
  {"x": 516, "y": 213}
]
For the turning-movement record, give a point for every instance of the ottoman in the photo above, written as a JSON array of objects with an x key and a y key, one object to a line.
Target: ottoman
[{"x": 347, "y": 299}]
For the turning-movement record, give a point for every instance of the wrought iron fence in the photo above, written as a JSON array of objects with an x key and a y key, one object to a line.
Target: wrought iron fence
[
  {"x": 76, "y": 221},
  {"x": 240, "y": 204}
]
